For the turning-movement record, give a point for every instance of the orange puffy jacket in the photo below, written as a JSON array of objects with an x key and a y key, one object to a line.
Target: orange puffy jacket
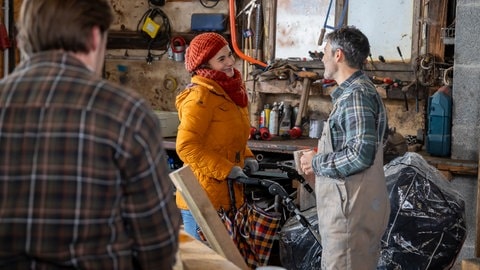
[{"x": 212, "y": 138}]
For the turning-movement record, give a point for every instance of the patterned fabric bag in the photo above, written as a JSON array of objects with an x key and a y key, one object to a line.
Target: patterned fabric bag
[
  {"x": 252, "y": 229},
  {"x": 254, "y": 232}
]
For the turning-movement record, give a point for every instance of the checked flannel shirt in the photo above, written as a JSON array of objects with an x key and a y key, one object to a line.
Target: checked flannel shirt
[
  {"x": 357, "y": 124},
  {"x": 83, "y": 173}
]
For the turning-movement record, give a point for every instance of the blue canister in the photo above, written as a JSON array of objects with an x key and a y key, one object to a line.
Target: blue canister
[{"x": 439, "y": 124}]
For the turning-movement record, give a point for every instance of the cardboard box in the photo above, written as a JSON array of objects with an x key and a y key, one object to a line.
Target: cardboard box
[{"x": 169, "y": 122}]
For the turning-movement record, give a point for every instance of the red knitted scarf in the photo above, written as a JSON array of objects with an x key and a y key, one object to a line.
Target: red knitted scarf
[{"x": 234, "y": 86}]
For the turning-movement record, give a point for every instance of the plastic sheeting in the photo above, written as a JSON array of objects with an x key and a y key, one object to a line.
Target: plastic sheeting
[
  {"x": 426, "y": 228},
  {"x": 427, "y": 225},
  {"x": 298, "y": 248}
]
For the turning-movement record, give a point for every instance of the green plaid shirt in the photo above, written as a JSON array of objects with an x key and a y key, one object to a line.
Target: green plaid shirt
[
  {"x": 357, "y": 125},
  {"x": 83, "y": 175}
]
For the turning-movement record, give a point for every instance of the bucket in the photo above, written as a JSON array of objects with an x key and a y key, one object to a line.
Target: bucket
[{"x": 178, "y": 47}]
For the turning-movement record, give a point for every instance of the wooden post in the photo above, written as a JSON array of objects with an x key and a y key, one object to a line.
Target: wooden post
[{"x": 206, "y": 216}]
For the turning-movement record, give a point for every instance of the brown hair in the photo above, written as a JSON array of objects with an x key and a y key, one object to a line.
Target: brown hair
[{"x": 61, "y": 24}]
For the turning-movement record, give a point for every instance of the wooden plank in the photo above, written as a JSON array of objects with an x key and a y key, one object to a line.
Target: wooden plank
[
  {"x": 471, "y": 264},
  {"x": 195, "y": 255},
  {"x": 437, "y": 18},
  {"x": 206, "y": 216},
  {"x": 305, "y": 199},
  {"x": 455, "y": 166}
]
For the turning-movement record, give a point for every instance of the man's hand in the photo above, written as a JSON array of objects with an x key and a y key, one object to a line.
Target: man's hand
[{"x": 306, "y": 162}]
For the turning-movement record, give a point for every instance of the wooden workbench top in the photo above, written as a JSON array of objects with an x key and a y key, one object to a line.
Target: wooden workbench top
[{"x": 276, "y": 144}]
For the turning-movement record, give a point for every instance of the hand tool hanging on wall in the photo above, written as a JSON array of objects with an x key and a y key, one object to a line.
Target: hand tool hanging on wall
[
  {"x": 247, "y": 33},
  {"x": 233, "y": 32},
  {"x": 400, "y": 53},
  {"x": 340, "y": 21}
]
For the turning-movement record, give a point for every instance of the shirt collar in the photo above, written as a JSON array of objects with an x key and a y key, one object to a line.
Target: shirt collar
[{"x": 341, "y": 88}]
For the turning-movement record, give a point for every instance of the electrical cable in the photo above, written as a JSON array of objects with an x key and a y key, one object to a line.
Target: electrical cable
[
  {"x": 162, "y": 36},
  {"x": 209, "y": 6}
]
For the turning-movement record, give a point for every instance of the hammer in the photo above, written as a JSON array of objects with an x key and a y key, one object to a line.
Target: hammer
[{"x": 308, "y": 77}]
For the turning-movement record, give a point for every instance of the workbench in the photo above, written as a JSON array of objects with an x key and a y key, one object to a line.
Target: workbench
[
  {"x": 283, "y": 148},
  {"x": 275, "y": 145}
]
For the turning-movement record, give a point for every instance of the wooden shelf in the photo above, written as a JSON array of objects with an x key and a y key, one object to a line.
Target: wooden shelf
[{"x": 137, "y": 40}]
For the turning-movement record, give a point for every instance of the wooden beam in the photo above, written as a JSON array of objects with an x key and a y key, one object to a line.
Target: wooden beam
[
  {"x": 206, "y": 216},
  {"x": 455, "y": 166}
]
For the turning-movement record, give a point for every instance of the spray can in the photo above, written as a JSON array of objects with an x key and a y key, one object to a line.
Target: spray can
[
  {"x": 273, "y": 121},
  {"x": 285, "y": 123},
  {"x": 264, "y": 116},
  {"x": 266, "y": 120}
]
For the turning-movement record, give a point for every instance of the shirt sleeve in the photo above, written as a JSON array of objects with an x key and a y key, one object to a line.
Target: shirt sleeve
[{"x": 149, "y": 208}]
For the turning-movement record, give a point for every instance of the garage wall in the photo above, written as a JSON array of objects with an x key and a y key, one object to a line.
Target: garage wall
[{"x": 160, "y": 80}]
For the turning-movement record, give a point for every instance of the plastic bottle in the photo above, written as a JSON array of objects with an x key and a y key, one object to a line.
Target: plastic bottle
[
  {"x": 285, "y": 123},
  {"x": 266, "y": 119},
  {"x": 264, "y": 116},
  {"x": 273, "y": 121}
]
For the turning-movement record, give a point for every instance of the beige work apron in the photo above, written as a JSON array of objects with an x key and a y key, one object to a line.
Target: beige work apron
[{"x": 352, "y": 214}]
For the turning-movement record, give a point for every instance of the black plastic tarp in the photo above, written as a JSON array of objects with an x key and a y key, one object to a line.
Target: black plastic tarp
[
  {"x": 427, "y": 225},
  {"x": 426, "y": 228},
  {"x": 298, "y": 248}
]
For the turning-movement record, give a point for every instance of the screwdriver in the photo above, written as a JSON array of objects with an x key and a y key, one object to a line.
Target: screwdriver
[{"x": 400, "y": 53}]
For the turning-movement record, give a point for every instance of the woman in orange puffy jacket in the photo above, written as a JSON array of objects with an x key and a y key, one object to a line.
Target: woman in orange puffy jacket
[{"x": 214, "y": 123}]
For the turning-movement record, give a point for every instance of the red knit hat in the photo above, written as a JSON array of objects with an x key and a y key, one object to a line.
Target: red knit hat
[{"x": 202, "y": 48}]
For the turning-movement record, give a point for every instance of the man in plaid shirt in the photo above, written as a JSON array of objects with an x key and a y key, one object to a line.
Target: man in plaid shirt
[{"x": 83, "y": 176}]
